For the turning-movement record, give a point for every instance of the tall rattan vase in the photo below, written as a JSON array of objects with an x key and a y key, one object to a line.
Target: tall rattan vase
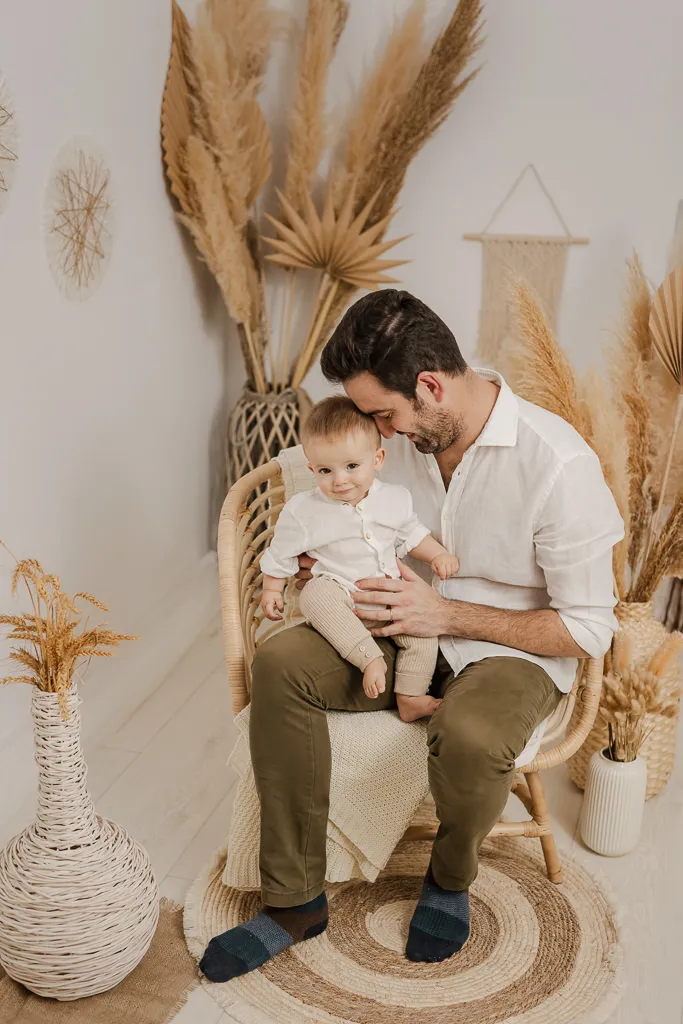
[
  {"x": 261, "y": 425},
  {"x": 659, "y": 749},
  {"x": 78, "y": 899}
]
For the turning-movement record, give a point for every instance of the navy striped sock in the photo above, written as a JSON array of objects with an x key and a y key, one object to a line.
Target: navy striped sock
[
  {"x": 250, "y": 945},
  {"x": 440, "y": 925}
]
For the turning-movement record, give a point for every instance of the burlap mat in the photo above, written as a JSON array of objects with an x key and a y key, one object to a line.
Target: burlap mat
[{"x": 152, "y": 994}]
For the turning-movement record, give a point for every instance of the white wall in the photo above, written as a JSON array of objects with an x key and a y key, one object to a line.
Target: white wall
[
  {"x": 590, "y": 92},
  {"x": 106, "y": 406}
]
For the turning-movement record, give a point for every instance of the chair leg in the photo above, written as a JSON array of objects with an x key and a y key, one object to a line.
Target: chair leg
[{"x": 540, "y": 815}]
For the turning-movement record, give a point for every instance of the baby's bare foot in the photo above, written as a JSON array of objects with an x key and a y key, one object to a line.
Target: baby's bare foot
[
  {"x": 375, "y": 678},
  {"x": 412, "y": 708}
]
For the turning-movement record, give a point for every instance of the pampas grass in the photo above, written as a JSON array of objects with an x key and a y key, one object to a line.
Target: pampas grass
[
  {"x": 52, "y": 639},
  {"x": 620, "y": 419},
  {"x": 541, "y": 371},
  {"x": 379, "y": 105},
  {"x": 423, "y": 107},
  {"x": 307, "y": 122},
  {"x": 218, "y": 157}
]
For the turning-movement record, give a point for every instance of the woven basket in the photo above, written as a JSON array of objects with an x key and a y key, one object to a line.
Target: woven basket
[
  {"x": 78, "y": 898},
  {"x": 260, "y": 426},
  {"x": 659, "y": 750}
]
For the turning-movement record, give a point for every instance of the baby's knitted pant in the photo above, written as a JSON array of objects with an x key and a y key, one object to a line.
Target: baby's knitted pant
[{"x": 328, "y": 607}]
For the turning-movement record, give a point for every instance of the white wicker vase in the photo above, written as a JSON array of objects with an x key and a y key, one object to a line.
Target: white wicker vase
[
  {"x": 612, "y": 809},
  {"x": 78, "y": 897}
]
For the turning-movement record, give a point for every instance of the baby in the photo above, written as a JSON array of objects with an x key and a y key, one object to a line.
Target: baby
[{"x": 352, "y": 525}]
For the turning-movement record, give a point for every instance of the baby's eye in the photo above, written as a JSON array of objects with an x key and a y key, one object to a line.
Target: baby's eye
[
  {"x": 352, "y": 465},
  {"x": 323, "y": 471}
]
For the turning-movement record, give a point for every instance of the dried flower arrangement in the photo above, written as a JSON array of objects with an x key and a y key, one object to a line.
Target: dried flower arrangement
[
  {"x": 631, "y": 421},
  {"x": 634, "y": 691},
  {"x": 49, "y": 645},
  {"x": 218, "y": 157}
]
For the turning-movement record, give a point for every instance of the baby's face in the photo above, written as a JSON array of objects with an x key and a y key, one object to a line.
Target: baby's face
[{"x": 344, "y": 467}]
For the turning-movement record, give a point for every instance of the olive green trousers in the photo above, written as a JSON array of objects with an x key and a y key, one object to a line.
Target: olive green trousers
[{"x": 488, "y": 714}]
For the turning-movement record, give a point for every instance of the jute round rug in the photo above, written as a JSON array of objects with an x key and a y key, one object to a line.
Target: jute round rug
[{"x": 538, "y": 953}]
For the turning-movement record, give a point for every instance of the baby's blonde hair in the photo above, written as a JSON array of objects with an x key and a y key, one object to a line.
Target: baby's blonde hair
[{"x": 335, "y": 417}]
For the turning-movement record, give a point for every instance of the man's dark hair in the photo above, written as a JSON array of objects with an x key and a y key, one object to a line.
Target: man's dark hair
[{"x": 393, "y": 336}]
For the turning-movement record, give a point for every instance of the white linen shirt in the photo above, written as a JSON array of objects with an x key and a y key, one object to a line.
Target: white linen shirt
[
  {"x": 532, "y": 521},
  {"x": 348, "y": 542}
]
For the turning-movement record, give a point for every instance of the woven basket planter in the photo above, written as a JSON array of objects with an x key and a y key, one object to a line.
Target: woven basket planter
[
  {"x": 79, "y": 901},
  {"x": 659, "y": 749},
  {"x": 260, "y": 426}
]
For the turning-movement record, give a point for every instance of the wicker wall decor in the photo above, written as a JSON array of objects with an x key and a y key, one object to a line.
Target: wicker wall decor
[
  {"x": 288, "y": 260},
  {"x": 78, "y": 219},
  {"x": 8, "y": 140}
]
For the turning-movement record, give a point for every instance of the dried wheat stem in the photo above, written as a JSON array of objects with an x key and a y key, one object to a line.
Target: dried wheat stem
[
  {"x": 309, "y": 351},
  {"x": 257, "y": 364},
  {"x": 323, "y": 283},
  {"x": 654, "y": 524},
  {"x": 288, "y": 330}
]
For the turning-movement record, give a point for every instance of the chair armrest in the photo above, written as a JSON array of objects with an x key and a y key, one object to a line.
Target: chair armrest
[{"x": 586, "y": 709}]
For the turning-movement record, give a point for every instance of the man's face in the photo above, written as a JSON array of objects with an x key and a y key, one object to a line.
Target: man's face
[{"x": 424, "y": 422}]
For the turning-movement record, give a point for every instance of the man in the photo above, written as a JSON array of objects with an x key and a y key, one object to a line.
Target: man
[{"x": 518, "y": 496}]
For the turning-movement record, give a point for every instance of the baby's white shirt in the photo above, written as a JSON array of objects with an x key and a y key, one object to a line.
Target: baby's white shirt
[{"x": 348, "y": 542}]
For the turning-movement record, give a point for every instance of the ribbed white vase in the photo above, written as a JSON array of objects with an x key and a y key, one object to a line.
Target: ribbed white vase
[{"x": 612, "y": 810}]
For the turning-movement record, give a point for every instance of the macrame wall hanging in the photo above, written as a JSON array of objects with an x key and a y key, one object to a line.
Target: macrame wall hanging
[{"x": 539, "y": 259}]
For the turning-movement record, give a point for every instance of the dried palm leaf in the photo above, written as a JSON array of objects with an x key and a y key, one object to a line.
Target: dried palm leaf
[
  {"x": 541, "y": 371},
  {"x": 176, "y": 114},
  {"x": 423, "y": 108},
  {"x": 338, "y": 243},
  {"x": 307, "y": 135},
  {"x": 666, "y": 326}
]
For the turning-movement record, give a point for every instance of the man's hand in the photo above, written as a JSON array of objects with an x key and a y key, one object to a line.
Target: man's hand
[
  {"x": 304, "y": 574},
  {"x": 413, "y": 606}
]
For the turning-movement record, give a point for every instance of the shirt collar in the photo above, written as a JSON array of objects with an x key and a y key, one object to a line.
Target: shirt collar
[{"x": 500, "y": 429}]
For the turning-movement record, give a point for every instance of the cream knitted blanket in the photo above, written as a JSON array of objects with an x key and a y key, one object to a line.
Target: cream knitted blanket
[{"x": 379, "y": 776}]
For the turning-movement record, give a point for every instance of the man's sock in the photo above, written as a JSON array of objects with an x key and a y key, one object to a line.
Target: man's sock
[
  {"x": 440, "y": 925},
  {"x": 250, "y": 945}
]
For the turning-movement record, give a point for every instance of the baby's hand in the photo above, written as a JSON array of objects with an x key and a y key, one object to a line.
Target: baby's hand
[
  {"x": 272, "y": 604},
  {"x": 445, "y": 566}
]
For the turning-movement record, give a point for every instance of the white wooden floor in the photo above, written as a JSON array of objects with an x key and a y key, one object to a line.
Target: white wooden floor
[{"x": 163, "y": 776}]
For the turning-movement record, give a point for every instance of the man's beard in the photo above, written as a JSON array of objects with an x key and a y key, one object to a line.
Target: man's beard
[{"x": 436, "y": 430}]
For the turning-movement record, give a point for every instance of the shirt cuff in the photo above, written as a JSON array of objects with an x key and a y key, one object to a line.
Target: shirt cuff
[
  {"x": 592, "y": 635},
  {"x": 414, "y": 538},
  {"x": 281, "y": 570}
]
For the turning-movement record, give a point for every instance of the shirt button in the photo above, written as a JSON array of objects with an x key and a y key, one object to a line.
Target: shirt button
[
  {"x": 361, "y": 648},
  {"x": 368, "y": 536}
]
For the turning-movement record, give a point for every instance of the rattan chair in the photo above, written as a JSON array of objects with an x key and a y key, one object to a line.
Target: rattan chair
[{"x": 246, "y": 525}]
